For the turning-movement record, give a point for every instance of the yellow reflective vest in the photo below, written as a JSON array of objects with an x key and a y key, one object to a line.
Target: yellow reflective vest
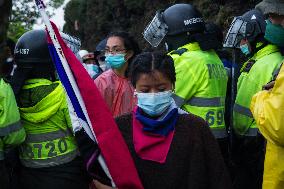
[
  {"x": 11, "y": 131},
  {"x": 45, "y": 117},
  {"x": 267, "y": 108},
  {"x": 201, "y": 84},
  {"x": 255, "y": 73}
]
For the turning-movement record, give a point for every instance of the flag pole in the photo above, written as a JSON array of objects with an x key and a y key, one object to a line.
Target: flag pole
[{"x": 41, "y": 7}]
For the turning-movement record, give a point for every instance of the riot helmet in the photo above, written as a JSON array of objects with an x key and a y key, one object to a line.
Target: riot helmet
[
  {"x": 250, "y": 26},
  {"x": 32, "y": 59},
  {"x": 182, "y": 18},
  {"x": 178, "y": 20},
  {"x": 32, "y": 49}
]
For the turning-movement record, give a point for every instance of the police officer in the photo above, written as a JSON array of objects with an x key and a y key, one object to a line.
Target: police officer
[
  {"x": 49, "y": 155},
  {"x": 263, "y": 58},
  {"x": 275, "y": 23},
  {"x": 201, "y": 82},
  {"x": 267, "y": 105},
  {"x": 11, "y": 131}
]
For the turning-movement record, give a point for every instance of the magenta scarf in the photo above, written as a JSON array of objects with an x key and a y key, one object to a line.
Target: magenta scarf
[{"x": 151, "y": 145}]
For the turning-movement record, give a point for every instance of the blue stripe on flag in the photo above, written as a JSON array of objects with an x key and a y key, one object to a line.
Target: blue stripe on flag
[{"x": 66, "y": 83}]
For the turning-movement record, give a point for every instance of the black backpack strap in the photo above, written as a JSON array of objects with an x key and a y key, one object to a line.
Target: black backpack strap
[{"x": 248, "y": 65}]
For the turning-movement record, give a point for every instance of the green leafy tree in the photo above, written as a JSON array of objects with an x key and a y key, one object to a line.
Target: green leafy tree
[
  {"x": 74, "y": 17},
  {"x": 24, "y": 16},
  {"x": 102, "y": 16},
  {"x": 5, "y": 11},
  {"x": 16, "y": 30}
]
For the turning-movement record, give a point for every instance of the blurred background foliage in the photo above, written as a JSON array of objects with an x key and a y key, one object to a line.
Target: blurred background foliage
[
  {"x": 92, "y": 20},
  {"x": 17, "y": 17},
  {"x": 24, "y": 15}
]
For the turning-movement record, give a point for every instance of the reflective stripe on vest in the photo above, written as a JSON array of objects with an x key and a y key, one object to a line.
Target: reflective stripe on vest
[
  {"x": 219, "y": 133},
  {"x": 58, "y": 160},
  {"x": 10, "y": 128},
  {"x": 243, "y": 110},
  {"x": 199, "y": 101},
  {"x": 48, "y": 149},
  {"x": 205, "y": 102},
  {"x": 33, "y": 138},
  {"x": 178, "y": 100}
]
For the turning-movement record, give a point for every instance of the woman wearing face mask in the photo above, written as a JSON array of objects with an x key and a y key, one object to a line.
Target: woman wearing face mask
[
  {"x": 113, "y": 84},
  {"x": 90, "y": 64},
  {"x": 170, "y": 148}
]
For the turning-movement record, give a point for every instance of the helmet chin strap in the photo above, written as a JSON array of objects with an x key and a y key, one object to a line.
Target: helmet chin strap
[
  {"x": 255, "y": 49},
  {"x": 19, "y": 78}
]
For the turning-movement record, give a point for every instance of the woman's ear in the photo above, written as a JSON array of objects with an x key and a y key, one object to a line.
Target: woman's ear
[{"x": 129, "y": 54}]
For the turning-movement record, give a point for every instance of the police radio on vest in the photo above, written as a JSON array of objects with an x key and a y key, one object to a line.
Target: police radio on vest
[
  {"x": 192, "y": 21},
  {"x": 22, "y": 51}
]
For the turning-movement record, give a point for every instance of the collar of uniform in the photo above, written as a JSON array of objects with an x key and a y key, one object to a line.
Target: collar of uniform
[
  {"x": 191, "y": 46},
  {"x": 268, "y": 49},
  {"x": 46, "y": 107}
]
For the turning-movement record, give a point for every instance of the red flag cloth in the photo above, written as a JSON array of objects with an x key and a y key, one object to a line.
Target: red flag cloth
[{"x": 111, "y": 143}]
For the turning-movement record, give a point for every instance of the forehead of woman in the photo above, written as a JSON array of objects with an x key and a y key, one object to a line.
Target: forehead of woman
[
  {"x": 115, "y": 41},
  {"x": 154, "y": 78}
]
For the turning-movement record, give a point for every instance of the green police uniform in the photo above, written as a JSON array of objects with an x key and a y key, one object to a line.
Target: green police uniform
[
  {"x": 11, "y": 131},
  {"x": 201, "y": 83},
  {"x": 256, "y": 72},
  {"x": 44, "y": 111}
]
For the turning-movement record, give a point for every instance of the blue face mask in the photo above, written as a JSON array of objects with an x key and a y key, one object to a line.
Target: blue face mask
[
  {"x": 274, "y": 34},
  {"x": 245, "y": 49},
  {"x": 154, "y": 104},
  {"x": 115, "y": 61},
  {"x": 92, "y": 69}
]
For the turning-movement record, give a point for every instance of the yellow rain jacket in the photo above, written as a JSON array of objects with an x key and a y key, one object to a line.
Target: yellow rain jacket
[{"x": 267, "y": 108}]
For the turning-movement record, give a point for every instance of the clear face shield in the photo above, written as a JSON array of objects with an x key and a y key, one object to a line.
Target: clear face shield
[
  {"x": 236, "y": 33},
  {"x": 156, "y": 30}
]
